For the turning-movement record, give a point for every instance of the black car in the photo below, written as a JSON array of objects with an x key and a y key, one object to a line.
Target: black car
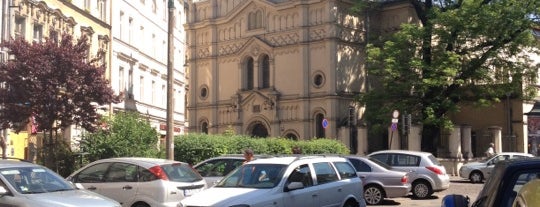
[{"x": 502, "y": 186}]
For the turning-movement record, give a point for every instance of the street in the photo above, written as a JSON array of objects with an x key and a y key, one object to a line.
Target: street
[{"x": 457, "y": 186}]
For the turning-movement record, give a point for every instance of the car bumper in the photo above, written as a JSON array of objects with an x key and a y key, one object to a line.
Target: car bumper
[
  {"x": 464, "y": 172},
  {"x": 442, "y": 183},
  {"x": 397, "y": 191}
]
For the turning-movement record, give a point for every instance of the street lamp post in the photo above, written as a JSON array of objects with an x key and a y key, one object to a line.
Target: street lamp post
[{"x": 169, "y": 142}]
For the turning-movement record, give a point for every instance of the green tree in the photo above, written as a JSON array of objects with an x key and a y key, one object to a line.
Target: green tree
[
  {"x": 124, "y": 134},
  {"x": 461, "y": 52}
]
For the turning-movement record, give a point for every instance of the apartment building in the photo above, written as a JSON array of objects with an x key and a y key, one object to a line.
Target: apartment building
[
  {"x": 34, "y": 20},
  {"x": 139, "y": 59}
]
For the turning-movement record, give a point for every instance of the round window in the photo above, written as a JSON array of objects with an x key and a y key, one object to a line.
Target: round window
[
  {"x": 318, "y": 80},
  {"x": 204, "y": 92}
]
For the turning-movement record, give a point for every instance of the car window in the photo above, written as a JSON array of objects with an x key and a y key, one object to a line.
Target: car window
[
  {"x": 33, "y": 180},
  {"x": 145, "y": 175},
  {"x": 345, "y": 170},
  {"x": 92, "y": 174},
  {"x": 179, "y": 172},
  {"x": 360, "y": 166},
  {"x": 406, "y": 160},
  {"x": 434, "y": 160},
  {"x": 301, "y": 174},
  {"x": 121, "y": 172},
  {"x": 324, "y": 172},
  {"x": 254, "y": 176},
  {"x": 382, "y": 164},
  {"x": 212, "y": 168},
  {"x": 385, "y": 158}
]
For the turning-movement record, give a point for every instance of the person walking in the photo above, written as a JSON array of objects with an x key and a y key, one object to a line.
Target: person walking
[{"x": 490, "y": 150}]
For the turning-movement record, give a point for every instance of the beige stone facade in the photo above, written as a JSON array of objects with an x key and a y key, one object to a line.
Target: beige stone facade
[{"x": 273, "y": 68}]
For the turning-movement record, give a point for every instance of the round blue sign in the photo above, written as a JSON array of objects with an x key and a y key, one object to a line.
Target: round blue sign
[{"x": 324, "y": 123}]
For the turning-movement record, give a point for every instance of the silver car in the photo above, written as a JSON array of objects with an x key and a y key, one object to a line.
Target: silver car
[
  {"x": 479, "y": 171},
  {"x": 379, "y": 180},
  {"x": 214, "y": 169},
  {"x": 428, "y": 174},
  {"x": 140, "y": 182},
  {"x": 24, "y": 184}
]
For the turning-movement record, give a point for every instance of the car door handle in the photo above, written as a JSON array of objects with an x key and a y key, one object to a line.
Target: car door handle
[
  {"x": 339, "y": 190},
  {"x": 314, "y": 195},
  {"x": 91, "y": 188},
  {"x": 127, "y": 187}
]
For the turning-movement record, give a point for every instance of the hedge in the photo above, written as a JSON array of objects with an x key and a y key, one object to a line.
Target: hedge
[{"x": 193, "y": 148}]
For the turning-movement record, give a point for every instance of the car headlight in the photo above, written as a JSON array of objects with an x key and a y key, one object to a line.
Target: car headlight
[{"x": 240, "y": 205}]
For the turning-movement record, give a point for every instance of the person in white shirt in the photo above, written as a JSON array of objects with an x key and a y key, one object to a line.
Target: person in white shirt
[{"x": 491, "y": 150}]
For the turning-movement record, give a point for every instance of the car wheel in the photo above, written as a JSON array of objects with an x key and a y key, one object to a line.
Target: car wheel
[
  {"x": 350, "y": 203},
  {"x": 476, "y": 177},
  {"x": 421, "y": 189},
  {"x": 140, "y": 204},
  {"x": 373, "y": 195}
]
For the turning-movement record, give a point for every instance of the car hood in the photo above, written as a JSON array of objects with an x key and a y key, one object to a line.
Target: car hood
[
  {"x": 216, "y": 196},
  {"x": 79, "y": 198}
]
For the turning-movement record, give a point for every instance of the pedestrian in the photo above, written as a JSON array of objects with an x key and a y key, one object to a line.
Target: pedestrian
[
  {"x": 296, "y": 150},
  {"x": 248, "y": 155},
  {"x": 490, "y": 150}
]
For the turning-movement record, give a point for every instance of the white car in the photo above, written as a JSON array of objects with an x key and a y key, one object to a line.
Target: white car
[
  {"x": 285, "y": 181},
  {"x": 140, "y": 182},
  {"x": 24, "y": 184},
  {"x": 481, "y": 170}
]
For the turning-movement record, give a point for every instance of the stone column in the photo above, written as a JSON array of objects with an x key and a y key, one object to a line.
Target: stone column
[
  {"x": 454, "y": 143},
  {"x": 362, "y": 141},
  {"x": 496, "y": 138},
  {"x": 415, "y": 138},
  {"x": 466, "y": 146}
]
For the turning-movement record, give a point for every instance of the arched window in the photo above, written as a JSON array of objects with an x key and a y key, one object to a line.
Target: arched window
[
  {"x": 265, "y": 71},
  {"x": 319, "y": 130},
  {"x": 249, "y": 74},
  {"x": 204, "y": 127},
  {"x": 255, "y": 20}
]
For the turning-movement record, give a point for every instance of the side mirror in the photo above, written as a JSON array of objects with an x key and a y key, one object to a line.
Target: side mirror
[
  {"x": 294, "y": 186},
  {"x": 455, "y": 200}
]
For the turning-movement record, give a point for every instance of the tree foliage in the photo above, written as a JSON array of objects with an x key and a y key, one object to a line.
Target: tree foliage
[
  {"x": 124, "y": 134},
  {"x": 52, "y": 82},
  {"x": 461, "y": 51}
]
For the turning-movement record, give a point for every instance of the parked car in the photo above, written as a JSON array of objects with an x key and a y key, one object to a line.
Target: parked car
[
  {"x": 286, "y": 181},
  {"x": 380, "y": 180},
  {"x": 476, "y": 172},
  {"x": 214, "y": 169},
  {"x": 140, "y": 182},
  {"x": 428, "y": 176},
  {"x": 501, "y": 188},
  {"x": 24, "y": 184},
  {"x": 528, "y": 194}
]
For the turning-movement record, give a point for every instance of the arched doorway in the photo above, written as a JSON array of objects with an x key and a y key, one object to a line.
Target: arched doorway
[{"x": 258, "y": 130}]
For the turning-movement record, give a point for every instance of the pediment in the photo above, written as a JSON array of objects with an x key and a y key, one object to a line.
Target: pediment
[
  {"x": 255, "y": 47},
  {"x": 265, "y": 100}
]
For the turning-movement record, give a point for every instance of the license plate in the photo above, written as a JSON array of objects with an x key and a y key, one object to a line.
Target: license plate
[{"x": 189, "y": 192}]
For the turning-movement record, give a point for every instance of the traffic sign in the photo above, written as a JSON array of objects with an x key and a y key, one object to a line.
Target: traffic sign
[{"x": 324, "y": 123}]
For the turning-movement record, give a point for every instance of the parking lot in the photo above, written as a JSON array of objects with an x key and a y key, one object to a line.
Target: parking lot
[{"x": 457, "y": 186}]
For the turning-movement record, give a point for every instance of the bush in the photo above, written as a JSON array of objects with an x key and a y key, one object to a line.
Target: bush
[{"x": 194, "y": 148}]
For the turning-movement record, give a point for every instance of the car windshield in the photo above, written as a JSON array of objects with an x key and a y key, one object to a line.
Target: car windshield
[
  {"x": 254, "y": 176},
  {"x": 179, "y": 172},
  {"x": 488, "y": 158},
  {"x": 31, "y": 180}
]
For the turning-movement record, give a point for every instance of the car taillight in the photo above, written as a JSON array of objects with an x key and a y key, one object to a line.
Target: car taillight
[
  {"x": 404, "y": 179},
  {"x": 158, "y": 172},
  {"x": 434, "y": 169}
]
